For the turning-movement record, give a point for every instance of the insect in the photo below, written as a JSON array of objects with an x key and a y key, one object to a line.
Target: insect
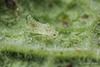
[{"x": 43, "y": 29}]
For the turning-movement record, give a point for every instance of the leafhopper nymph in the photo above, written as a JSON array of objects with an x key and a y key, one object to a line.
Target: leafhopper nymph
[{"x": 43, "y": 29}]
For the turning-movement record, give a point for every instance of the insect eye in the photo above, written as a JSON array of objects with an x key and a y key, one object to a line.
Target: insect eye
[
  {"x": 46, "y": 29},
  {"x": 54, "y": 34}
]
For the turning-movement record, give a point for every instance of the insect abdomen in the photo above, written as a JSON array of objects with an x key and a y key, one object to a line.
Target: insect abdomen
[{"x": 33, "y": 22}]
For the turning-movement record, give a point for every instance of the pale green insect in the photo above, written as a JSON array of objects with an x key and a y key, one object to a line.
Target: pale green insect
[{"x": 43, "y": 29}]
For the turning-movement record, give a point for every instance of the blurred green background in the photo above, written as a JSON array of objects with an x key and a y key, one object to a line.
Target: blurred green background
[{"x": 78, "y": 42}]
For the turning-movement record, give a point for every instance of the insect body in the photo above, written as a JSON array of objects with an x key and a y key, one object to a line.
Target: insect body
[{"x": 43, "y": 29}]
